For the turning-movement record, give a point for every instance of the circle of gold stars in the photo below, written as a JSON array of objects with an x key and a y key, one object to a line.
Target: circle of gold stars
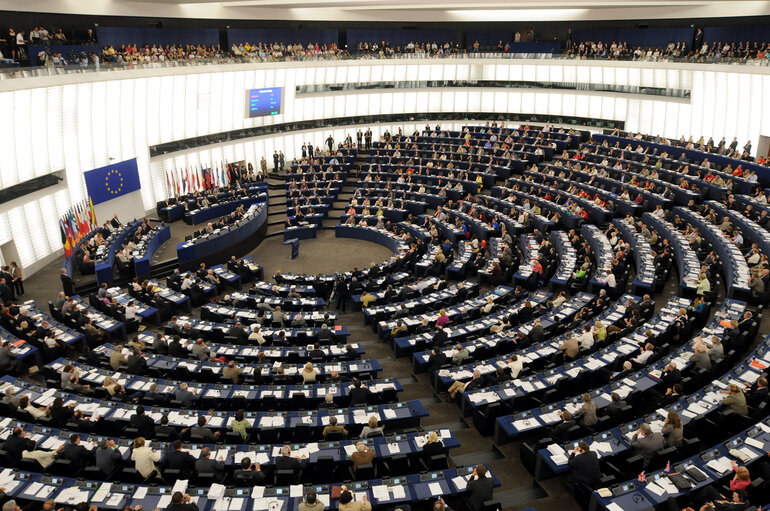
[{"x": 113, "y": 191}]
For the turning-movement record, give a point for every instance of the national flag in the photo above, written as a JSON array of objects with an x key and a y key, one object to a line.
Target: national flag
[
  {"x": 186, "y": 179},
  {"x": 197, "y": 179},
  {"x": 69, "y": 244},
  {"x": 176, "y": 185},
  {"x": 668, "y": 467},
  {"x": 642, "y": 477},
  {"x": 93, "y": 213},
  {"x": 168, "y": 184}
]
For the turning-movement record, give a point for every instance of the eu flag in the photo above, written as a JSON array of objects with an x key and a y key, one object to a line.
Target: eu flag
[{"x": 112, "y": 181}]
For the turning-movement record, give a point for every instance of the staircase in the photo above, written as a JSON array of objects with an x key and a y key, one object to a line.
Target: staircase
[
  {"x": 276, "y": 199},
  {"x": 276, "y": 205}
]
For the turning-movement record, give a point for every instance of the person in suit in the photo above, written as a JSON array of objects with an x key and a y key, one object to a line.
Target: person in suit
[
  {"x": 287, "y": 462},
  {"x": 616, "y": 405},
  {"x": 311, "y": 503},
  {"x": 735, "y": 400},
  {"x": 136, "y": 363},
  {"x": 180, "y": 502},
  {"x": 480, "y": 488},
  {"x": 205, "y": 465},
  {"x": 333, "y": 427},
  {"x": 159, "y": 345},
  {"x": 67, "y": 283},
  {"x": 560, "y": 432},
  {"x": 142, "y": 423},
  {"x": 17, "y": 443},
  {"x": 177, "y": 459},
  {"x": 673, "y": 431},
  {"x": 588, "y": 411},
  {"x": 249, "y": 474},
  {"x": 238, "y": 332},
  {"x": 202, "y": 432},
  {"x": 537, "y": 333},
  {"x": 347, "y": 503},
  {"x": 436, "y": 360},
  {"x": 144, "y": 458},
  {"x": 185, "y": 396},
  {"x": 75, "y": 453},
  {"x": 647, "y": 444},
  {"x": 433, "y": 447},
  {"x": 756, "y": 393},
  {"x": 363, "y": 455},
  {"x": 359, "y": 394},
  {"x": 108, "y": 458},
  {"x": 701, "y": 358},
  {"x": 328, "y": 403},
  {"x": 569, "y": 347},
  {"x": 584, "y": 466}
]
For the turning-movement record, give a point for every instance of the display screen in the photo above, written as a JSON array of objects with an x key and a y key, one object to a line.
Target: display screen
[{"x": 263, "y": 102}]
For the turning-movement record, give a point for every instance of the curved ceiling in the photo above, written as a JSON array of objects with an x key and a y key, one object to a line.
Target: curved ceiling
[{"x": 404, "y": 10}]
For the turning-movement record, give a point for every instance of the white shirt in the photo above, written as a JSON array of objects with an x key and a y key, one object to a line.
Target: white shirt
[
  {"x": 586, "y": 340},
  {"x": 131, "y": 312},
  {"x": 516, "y": 367}
]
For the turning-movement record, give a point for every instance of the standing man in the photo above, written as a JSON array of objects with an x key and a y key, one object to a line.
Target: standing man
[
  {"x": 304, "y": 150},
  {"x": 281, "y": 160},
  {"x": 276, "y": 159},
  {"x": 368, "y": 136},
  {"x": 359, "y": 138},
  {"x": 330, "y": 143}
]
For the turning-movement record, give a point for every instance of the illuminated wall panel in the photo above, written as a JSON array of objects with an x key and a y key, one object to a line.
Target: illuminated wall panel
[{"x": 85, "y": 119}]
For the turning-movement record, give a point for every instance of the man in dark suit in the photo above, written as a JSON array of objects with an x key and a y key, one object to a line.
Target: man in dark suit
[
  {"x": 75, "y": 453},
  {"x": 238, "y": 332},
  {"x": 537, "y": 333},
  {"x": 584, "y": 466},
  {"x": 142, "y": 423},
  {"x": 180, "y": 502},
  {"x": 248, "y": 474},
  {"x": 15, "y": 444},
  {"x": 560, "y": 431},
  {"x": 136, "y": 363},
  {"x": 436, "y": 360},
  {"x": 6, "y": 293},
  {"x": 479, "y": 488},
  {"x": 115, "y": 222},
  {"x": 108, "y": 457},
  {"x": 177, "y": 459},
  {"x": 646, "y": 443},
  {"x": 205, "y": 465},
  {"x": 286, "y": 462},
  {"x": 359, "y": 394},
  {"x": 757, "y": 393},
  {"x": 202, "y": 432}
]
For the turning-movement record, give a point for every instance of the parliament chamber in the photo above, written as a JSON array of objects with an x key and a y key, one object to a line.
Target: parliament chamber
[{"x": 266, "y": 256}]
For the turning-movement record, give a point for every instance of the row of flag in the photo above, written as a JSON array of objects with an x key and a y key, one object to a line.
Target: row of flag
[
  {"x": 192, "y": 179},
  {"x": 76, "y": 223}
]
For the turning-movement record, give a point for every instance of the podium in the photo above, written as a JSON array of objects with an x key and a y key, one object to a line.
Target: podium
[{"x": 294, "y": 242}]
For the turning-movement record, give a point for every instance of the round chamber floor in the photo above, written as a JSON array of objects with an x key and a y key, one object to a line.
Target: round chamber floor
[{"x": 324, "y": 254}]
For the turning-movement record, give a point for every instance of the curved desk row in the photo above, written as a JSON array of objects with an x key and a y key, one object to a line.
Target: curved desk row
[
  {"x": 142, "y": 264},
  {"x": 105, "y": 262},
  {"x": 378, "y": 236},
  {"x": 211, "y": 246},
  {"x": 687, "y": 263}
]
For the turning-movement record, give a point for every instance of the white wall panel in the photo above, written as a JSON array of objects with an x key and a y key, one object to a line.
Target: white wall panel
[{"x": 84, "y": 121}]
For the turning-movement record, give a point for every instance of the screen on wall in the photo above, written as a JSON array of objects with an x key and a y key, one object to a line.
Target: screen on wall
[{"x": 263, "y": 102}]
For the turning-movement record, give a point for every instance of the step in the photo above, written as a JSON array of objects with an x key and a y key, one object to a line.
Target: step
[
  {"x": 274, "y": 233},
  {"x": 276, "y": 222}
]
